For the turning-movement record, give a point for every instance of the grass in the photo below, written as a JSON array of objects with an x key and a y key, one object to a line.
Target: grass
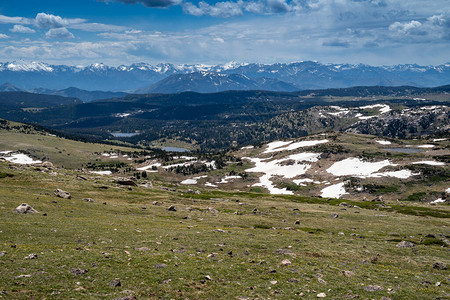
[
  {"x": 241, "y": 259},
  {"x": 162, "y": 254}
]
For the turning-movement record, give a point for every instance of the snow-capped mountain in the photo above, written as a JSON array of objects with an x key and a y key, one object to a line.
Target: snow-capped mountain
[
  {"x": 301, "y": 75},
  {"x": 211, "y": 82}
]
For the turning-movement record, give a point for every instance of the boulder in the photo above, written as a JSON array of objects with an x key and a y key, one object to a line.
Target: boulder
[
  {"x": 25, "y": 209},
  {"x": 405, "y": 244},
  {"x": 147, "y": 185},
  {"x": 62, "y": 194},
  {"x": 48, "y": 165},
  {"x": 439, "y": 266},
  {"x": 126, "y": 181}
]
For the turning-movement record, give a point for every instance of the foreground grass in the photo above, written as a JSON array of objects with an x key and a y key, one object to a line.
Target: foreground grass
[{"x": 158, "y": 253}]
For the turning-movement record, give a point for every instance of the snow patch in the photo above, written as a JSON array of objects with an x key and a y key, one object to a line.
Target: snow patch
[
  {"x": 292, "y": 146},
  {"x": 193, "y": 180},
  {"x": 288, "y": 167},
  {"x": 19, "y": 158},
  {"x": 425, "y": 146},
  {"x": 356, "y": 167},
  {"x": 334, "y": 191},
  {"x": 101, "y": 172},
  {"x": 383, "y": 142},
  {"x": 429, "y": 162},
  {"x": 146, "y": 168},
  {"x": 439, "y": 200},
  {"x": 227, "y": 178}
]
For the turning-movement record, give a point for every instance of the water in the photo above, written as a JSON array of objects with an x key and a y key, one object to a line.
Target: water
[
  {"x": 124, "y": 134},
  {"x": 405, "y": 150},
  {"x": 174, "y": 149}
]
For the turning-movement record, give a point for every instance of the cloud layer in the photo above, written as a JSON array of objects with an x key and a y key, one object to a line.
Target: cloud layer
[{"x": 268, "y": 31}]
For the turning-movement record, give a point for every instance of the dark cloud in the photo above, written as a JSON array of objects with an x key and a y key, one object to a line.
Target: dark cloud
[{"x": 150, "y": 3}]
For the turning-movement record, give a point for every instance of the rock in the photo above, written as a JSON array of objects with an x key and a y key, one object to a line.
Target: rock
[
  {"x": 126, "y": 298},
  {"x": 285, "y": 252},
  {"x": 142, "y": 249},
  {"x": 335, "y": 216},
  {"x": 89, "y": 200},
  {"x": 78, "y": 271},
  {"x": 115, "y": 283},
  {"x": 348, "y": 273},
  {"x": 344, "y": 204},
  {"x": 321, "y": 295},
  {"x": 373, "y": 288},
  {"x": 405, "y": 244},
  {"x": 47, "y": 164},
  {"x": 3, "y": 253},
  {"x": 385, "y": 298},
  {"x": 156, "y": 203},
  {"x": 172, "y": 208},
  {"x": 62, "y": 194},
  {"x": 161, "y": 266},
  {"x": 126, "y": 181},
  {"x": 147, "y": 185},
  {"x": 439, "y": 266},
  {"x": 79, "y": 177},
  {"x": 207, "y": 277},
  {"x": 286, "y": 262},
  {"x": 212, "y": 210},
  {"x": 297, "y": 222},
  {"x": 32, "y": 256},
  {"x": 25, "y": 209}
]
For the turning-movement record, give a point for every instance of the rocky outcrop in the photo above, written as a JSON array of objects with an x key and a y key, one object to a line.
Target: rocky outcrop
[
  {"x": 62, "y": 194},
  {"x": 25, "y": 209}
]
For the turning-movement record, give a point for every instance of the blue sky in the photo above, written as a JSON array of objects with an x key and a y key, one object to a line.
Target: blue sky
[{"x": 82, "y": 32}]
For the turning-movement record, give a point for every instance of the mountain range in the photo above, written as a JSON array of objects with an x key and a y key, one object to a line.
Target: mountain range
[
  {"x": 169, "y": 78},
  {"x": 71, "y": 92}
]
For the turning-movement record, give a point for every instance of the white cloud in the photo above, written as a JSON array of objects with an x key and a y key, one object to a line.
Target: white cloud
[
  {"x": 150, "y": 3},
  {"x": 3, "y": 36},
  {"x": 46, "y": 21},
  {"x": 59, "y": 33},
  {"x": 220, "y": 9},
  {"x": 21, "y": 29},
  {"x": 98, "y": 27},
  {"x": 413, "y": 27},
  {"x": 13, "y": 20}
]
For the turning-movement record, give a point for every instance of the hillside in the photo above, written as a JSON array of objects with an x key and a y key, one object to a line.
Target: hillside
[
  {"x": 220, "y": 121},
  {"x": 214, "y": 226}
]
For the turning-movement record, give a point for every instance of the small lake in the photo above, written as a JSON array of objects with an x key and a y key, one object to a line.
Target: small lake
[
  {"x": 124, "y": 134},
  {"x": 175, "y": 149},
  {"x": 405, "y": 150}
]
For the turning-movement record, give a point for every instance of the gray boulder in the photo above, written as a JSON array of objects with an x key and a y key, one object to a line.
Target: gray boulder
[
  {"x": 62, "y": 194},
  {"x": 25, "y": 209}
]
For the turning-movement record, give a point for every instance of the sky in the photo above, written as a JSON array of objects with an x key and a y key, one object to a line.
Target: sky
[{"x": 116, "y": 32}]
